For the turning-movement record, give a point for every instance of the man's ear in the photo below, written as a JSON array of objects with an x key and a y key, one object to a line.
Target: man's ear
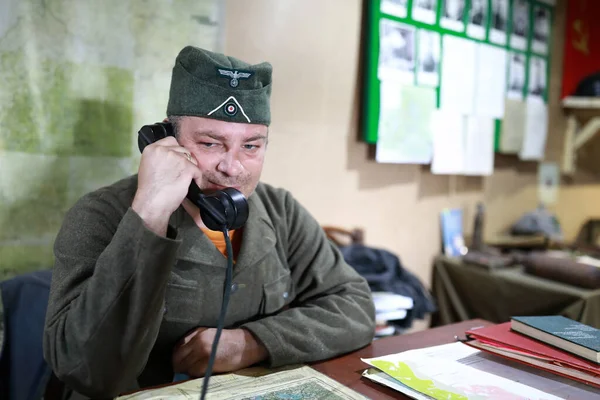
[{"x": 165, "y": 120}]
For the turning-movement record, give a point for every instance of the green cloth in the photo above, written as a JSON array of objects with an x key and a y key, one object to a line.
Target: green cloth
[
  {"x": 213, "y": 85},
  {"x": 464, "y": 291},
  {"x": 122, "y": 296}
]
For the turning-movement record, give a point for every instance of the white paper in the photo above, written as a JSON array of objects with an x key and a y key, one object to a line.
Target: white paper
[
  {"x": 457, "y": 89},
  {"x": 520, "y": 25},
  {"x": 388, "y": 301},
  {"x": 478, "y": 15},
  {"x": 537, "y": 77},
  {"x": 394, "y": 7},
  {"x": 448, "y": 143},
  {"x": 536, "y": 130},
  {"x": 453, "y": 12},
  {"x": 458, "y": 371},
  {"x": 498, "y": 21},
  {"x": 548, "y": 181},
  {"x": 479, "y": 146},
  {"x": 516, "y": 75},
  {"x": 428, "y": 68},
  {"x": 396, "y": 52},
  {"x": 424, "y": 11},
  {"x": 513, "y": 126},
  {"x": 404, "y": 133},
  {"x": 490, "y": 87},
  {"x": 541, "y": 30}
]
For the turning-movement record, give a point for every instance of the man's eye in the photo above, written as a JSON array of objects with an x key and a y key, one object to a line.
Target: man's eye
[
  {"x": 207, "y": 144},
  {"x": 250, "y": 146}
]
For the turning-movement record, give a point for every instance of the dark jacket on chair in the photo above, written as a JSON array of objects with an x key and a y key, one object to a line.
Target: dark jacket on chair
[{"x": 23, "y": 370}]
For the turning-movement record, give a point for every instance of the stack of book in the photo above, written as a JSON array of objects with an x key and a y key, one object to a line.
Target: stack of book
[
  {"x": 555, "y": 344},
  {"x": 390, "y": 307}
]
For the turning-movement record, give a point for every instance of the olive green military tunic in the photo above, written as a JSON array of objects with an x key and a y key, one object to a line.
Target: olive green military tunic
[{"x": 122, "y": 296}]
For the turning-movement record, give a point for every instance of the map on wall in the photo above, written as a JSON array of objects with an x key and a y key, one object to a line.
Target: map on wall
[{"x": 77, "y": 80}]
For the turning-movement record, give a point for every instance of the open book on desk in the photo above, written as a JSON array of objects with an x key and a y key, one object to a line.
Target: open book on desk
[
  {"x": 458, "y": 371},
  {"x": 294, "y": 382}
]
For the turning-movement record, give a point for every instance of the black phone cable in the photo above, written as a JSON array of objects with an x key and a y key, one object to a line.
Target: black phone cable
[{"x": 221, "y": 321}]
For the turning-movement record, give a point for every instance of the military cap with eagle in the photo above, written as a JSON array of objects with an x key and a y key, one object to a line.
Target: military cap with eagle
[{"x": 213, "y": 85}]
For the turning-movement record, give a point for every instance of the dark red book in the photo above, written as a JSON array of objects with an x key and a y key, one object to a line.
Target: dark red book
[{"x": 501, "y": 340}]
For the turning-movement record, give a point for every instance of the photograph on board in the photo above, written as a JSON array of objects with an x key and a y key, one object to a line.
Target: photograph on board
[
  {"x": 477, "y": 19},
  {"x": 516, "y": 75},
  {"x": 424, "y": 11},
  {"x": 453, "y": 13},
  {"x": 498, "y": 23},
  {"x": 520, "y": 25},
  {"x": 396, "y": 51},
  {"x": 396, "y": 8},
  {"x": 541, "y": 29},
  {"x": 537, "y": 77},
  {"x": 429, "y": 58}
]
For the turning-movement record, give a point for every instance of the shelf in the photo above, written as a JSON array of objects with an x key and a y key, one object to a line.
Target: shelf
[{"x": 583, "y": 122}]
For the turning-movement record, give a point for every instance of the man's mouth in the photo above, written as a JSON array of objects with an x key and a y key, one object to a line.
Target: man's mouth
[{"x": 217, "y": 186}]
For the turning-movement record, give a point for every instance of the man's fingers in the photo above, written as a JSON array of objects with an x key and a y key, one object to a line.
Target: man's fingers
[{"x": 179, "y": 355}]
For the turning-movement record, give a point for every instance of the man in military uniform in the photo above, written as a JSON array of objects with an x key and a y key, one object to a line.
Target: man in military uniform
[{"x": 138, "y": 278}]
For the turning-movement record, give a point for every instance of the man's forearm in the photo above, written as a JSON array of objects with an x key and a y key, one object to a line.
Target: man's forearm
[
  {"x": 254, "y": 350},
  {"x": 98, "y": 334}
]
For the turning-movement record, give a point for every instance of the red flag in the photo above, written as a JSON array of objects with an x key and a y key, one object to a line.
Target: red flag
[{"x": 582, "y": 44}]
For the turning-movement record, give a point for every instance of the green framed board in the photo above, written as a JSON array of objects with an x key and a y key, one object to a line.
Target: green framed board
[{"x": 520, "y": 27}]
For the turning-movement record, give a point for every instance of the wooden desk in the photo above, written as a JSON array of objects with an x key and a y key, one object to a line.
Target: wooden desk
[{"x": 348, "y": 369}]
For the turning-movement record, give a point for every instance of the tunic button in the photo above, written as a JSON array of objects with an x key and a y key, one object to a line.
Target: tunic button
[
  {"x": 234, "y": 288},
  {"x": 285, "y": 295}
]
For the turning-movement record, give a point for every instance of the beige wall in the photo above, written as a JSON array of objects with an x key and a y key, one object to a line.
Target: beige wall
[{"x": 314, "y": 152}]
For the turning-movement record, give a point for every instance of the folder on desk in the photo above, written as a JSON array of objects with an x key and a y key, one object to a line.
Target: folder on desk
[{"x": 502, "y": 341}]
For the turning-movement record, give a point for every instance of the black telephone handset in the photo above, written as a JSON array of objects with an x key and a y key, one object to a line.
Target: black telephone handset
[{"x": 219, "y": 209}]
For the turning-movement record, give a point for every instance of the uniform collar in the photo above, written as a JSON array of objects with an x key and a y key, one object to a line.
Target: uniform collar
[{"x": 258, "y": 238}]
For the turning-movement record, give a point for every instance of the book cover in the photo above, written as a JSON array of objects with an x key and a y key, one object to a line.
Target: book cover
[{"x": 566, "y": 329}]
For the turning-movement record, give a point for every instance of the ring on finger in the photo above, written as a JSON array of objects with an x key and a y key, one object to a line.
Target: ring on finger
[{"x": 188, "y": 156}]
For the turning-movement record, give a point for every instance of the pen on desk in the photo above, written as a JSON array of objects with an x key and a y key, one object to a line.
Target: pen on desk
[{"x": 467, "y": 338}]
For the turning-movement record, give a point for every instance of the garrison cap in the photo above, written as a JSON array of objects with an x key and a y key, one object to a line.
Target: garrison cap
[{"x": 213, "y": 85}]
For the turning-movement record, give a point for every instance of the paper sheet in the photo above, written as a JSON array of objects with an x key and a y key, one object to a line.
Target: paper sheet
[
  {"x": 541, "y": 29},
  {"x": 255, "y": 383},
  {"x": 478, "y": 16},
  {"x": 428, "y": 68},
  {"x": 394, "y": 7},
  {"x": 498, "y": 21},
  {"x": 457, "y": 90},
  {"x": 548, "y": 181},
  {"x": 448, "y": 143},
  {"x": 520, "y": 24},
  {"x": 479, "y": 146},
  {"x": 513, "y": 126},
  {"x": 454, "y": 370},
  {"x": 424, "y": 11},
  {"x": 516, "y": 76},
  {"x": 537, "y": 78},
  {"x": 490, "y": 86},
  {"x": 453, "y": 12},
  {"x": 396, "y": 52},
  {"x": 536, "y": 130},
  {"x": 404, "y": 134}
]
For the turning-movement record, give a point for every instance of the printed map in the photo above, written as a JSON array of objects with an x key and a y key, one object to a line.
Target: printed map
[{"x": 77, "y": 80}]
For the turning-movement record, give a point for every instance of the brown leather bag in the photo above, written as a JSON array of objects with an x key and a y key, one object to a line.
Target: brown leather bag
[{"x": 562, "y": 267}]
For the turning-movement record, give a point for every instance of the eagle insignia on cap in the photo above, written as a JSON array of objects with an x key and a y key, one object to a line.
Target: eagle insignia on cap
[{"x": 234, "y": 75}]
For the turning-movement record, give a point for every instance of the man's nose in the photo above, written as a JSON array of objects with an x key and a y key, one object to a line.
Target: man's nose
[{"x": 230, "y": 164}]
